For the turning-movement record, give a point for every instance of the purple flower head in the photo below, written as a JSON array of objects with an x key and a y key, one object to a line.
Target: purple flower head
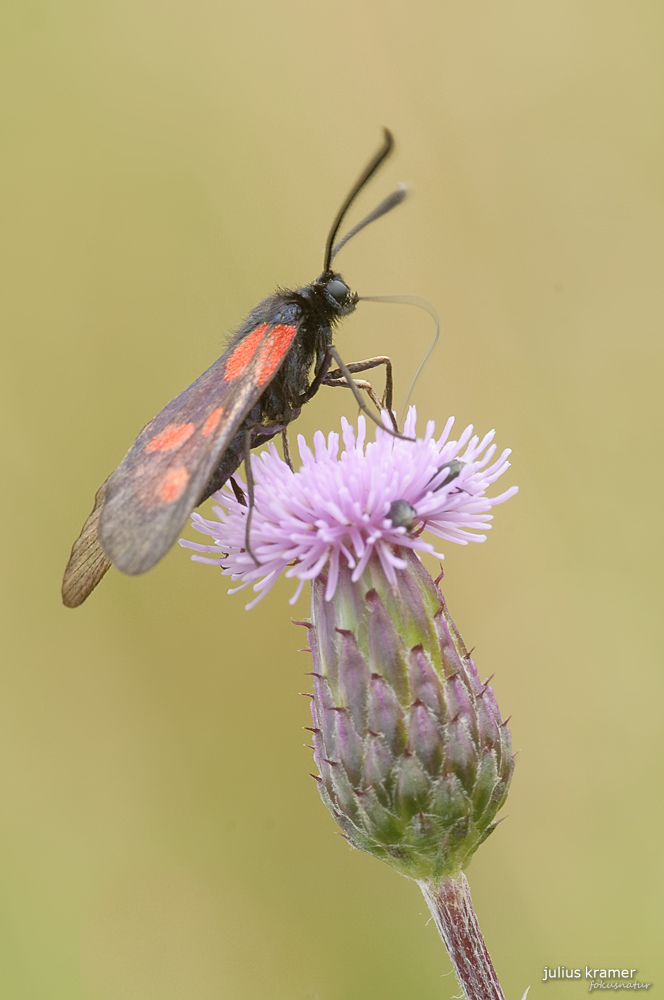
[{"x": 342, "y": 508}]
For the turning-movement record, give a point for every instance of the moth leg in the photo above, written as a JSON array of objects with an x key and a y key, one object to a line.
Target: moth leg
[
  {"x": 338, "y": 377},
  {"x": 365, "y": 366},
  {"x": 318, "y": 380},
  {"x": 361, "y": 384},
  {"x": 286, "y": 447},
  {"x": 250, "y": 492},
  {"x": 360, "y": 402}
]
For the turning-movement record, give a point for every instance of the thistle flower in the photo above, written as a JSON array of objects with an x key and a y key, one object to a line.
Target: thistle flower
[
  {"x": 413, "y": 757},
  {"x": 342, "y": 509}
]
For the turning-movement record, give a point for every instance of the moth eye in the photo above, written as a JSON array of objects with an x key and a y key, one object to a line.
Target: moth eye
[{"x": 338, "y": 290}]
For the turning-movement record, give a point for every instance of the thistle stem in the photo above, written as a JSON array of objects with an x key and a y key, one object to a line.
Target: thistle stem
[{"x": 452, "y": 909}]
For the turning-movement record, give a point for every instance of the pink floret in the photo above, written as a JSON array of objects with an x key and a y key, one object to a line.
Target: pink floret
[{"x": 335, "y": 508}]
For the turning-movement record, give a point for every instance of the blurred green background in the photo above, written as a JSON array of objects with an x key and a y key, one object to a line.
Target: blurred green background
[{"x": 164, "y": 167}]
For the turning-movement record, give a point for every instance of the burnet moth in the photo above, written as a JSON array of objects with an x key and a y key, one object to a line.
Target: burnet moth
[{"x": 273, "y": 365}]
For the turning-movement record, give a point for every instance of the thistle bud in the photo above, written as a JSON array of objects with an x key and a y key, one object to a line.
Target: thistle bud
[{"x": 413, "y": 756}]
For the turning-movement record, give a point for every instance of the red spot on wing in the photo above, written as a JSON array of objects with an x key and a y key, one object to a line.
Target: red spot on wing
[
  {"x": 243, "y": 353},
  {"x": 278, "y": 341},
  {"x": 212, "y": 421},
  {"x": 172, "y": 485},
  {"x": 172, "y": 436}
]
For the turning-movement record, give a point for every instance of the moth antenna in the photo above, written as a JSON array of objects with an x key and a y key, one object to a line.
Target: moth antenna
[
  {"x": 367, "y": 173},
  {"x": 386, "y": 205},
  {"x": 410, "y": 300}
]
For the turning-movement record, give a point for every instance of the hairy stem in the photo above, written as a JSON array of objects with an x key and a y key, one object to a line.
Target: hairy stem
[{"x": 452, "y": 910}]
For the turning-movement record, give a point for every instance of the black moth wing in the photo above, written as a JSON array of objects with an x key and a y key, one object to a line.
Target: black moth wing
[{"x": 164, "y": 474}]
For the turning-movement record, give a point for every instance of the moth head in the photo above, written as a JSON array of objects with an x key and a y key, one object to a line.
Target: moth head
[{"x": 337, "y": 293}]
